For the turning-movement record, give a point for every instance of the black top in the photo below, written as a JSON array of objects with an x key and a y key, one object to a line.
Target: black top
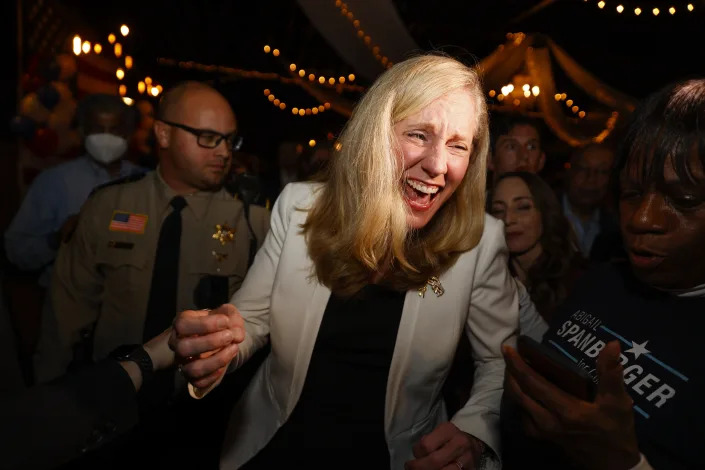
[
  {"x": 338, "y": 421},
  {"x": 662, "y": 349}
]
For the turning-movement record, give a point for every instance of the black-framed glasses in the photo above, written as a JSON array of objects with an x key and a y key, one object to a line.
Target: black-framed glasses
[{"x": 208, "y": 138}]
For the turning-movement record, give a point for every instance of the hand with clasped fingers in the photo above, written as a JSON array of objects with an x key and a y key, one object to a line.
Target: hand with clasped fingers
[{"x": 205, "y": 341}]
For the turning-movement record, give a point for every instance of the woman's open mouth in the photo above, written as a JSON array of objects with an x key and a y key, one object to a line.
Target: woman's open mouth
[{"x": 419, "y": 195}]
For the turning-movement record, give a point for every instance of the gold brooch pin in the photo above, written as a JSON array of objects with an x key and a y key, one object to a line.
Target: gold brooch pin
[
  {"x": 436, "y": 287},
  {"x": 224, "y": 234}
]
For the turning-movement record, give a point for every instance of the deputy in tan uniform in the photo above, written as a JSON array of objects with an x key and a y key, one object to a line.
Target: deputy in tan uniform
[{"x": 112, "y": 280}]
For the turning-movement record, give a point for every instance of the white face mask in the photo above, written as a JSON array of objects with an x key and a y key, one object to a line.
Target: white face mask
[{"x": 106, "y": 148}]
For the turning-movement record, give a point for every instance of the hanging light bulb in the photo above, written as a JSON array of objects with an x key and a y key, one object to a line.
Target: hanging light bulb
[
  {"x": 120, "y": 74},
  {"x": 124, "y": 30},
  {"x": 77, "y": 45},
  {"x": 86, "y": 47},
  {"x": 141, "y": 87},
  {"x": 97, "y": 48},
  {"x": 111, "y": 38}
]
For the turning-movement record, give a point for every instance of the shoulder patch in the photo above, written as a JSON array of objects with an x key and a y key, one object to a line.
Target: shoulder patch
[{"x": 131, "y": 178}]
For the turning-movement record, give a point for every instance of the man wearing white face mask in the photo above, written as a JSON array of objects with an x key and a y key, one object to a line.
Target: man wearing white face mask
[{"x": 49, "y": 210}]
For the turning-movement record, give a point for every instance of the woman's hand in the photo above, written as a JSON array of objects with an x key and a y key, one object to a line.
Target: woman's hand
[
  {"x": 598, "y": 435},
  {"x": 446, "y": 448},
  {"x": 205, "y": 342}
]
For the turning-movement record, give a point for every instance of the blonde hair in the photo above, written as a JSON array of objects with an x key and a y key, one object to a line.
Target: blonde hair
[{"x": 358, "y": 224}]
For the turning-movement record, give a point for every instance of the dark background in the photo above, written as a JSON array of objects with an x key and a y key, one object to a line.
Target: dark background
[{"x": 635, "y": 55}]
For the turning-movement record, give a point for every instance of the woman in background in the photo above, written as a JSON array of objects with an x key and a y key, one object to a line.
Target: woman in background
[{"x": 543, "y": 251}]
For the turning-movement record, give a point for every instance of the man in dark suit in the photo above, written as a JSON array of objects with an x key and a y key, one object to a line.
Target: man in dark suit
[{"x": 584, "y": 201}]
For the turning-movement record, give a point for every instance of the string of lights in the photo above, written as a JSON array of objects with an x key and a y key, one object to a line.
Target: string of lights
[
  {"x": 145, "y": 86},
  {"x": 339, "y": 83},
  {"x": 570, "y": 104},
  {"x": 637, "y": 10},
  {"x": 365, "y": 38},
  {"x": 313, "y": 111}
]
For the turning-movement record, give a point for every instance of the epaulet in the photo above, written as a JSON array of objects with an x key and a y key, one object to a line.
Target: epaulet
[{"x": 131, "y": 178}]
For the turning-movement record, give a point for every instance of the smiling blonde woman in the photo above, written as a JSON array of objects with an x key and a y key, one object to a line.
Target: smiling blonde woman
[{"x": 363, "y": 287}]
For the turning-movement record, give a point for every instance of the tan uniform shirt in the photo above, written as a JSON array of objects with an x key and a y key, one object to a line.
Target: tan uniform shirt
[{"x": 103, "y": 274}]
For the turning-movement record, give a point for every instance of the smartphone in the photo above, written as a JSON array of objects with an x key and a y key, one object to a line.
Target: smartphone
[{"x": 556, "y": 368}]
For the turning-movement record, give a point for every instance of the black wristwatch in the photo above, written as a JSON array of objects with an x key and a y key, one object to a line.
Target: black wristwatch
[{"x": 136, "y": 354}]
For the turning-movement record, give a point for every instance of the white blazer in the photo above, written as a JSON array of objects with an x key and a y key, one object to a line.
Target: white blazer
[{"x": 282, "y": 302}]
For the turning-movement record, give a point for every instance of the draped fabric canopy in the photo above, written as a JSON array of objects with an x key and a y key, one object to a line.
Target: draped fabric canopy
[
  {"x": 361, "y": 31},
  {"x": 378, "y": 19},
  {"x": 534, "y": 61}
]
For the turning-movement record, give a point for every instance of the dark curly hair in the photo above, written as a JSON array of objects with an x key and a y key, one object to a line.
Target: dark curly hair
[{"x": 550, "y": 278}]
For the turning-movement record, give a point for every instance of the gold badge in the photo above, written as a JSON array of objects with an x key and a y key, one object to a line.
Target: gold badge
[
  {"x": 224, "y": 234},
  {"x": 436, "y": 287}
]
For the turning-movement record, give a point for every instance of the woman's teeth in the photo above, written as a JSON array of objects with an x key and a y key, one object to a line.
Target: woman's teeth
[{"x": 422, "y": 187}]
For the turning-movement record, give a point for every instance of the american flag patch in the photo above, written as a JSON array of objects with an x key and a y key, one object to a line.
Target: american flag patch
[{"x": 127, "y": 222}]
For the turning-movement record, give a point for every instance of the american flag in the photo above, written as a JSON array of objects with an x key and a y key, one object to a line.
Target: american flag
[{"x": 128, "y": 222}]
